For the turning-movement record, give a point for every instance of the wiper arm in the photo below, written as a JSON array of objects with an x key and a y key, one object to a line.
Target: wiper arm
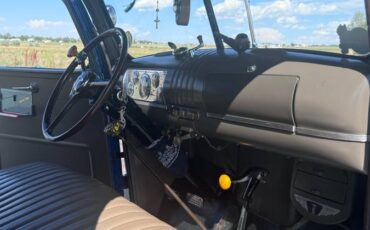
[
  {"x": 130, "y": 6},
  {"x": 250, "y": 22}
]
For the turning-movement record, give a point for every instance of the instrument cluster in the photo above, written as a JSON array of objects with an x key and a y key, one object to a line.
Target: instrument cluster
[{"x": 144, "y": 85}]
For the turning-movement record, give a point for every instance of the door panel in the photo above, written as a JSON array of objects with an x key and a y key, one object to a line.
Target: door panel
[{"x": 21, "y": 139}]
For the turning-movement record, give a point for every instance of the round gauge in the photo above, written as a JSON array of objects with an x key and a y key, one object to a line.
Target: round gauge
[
  {"x": 145, "y": 86},
  {"x": 135, "y": 77},
  {"x": 130, "y": 89},
  {"x": 155, "y": 79}
]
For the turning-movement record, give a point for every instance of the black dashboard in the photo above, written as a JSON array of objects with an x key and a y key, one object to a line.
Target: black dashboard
[{"x": 263, "y": 98}]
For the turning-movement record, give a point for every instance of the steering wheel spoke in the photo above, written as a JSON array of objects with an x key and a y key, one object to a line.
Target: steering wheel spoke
[
  {"x": 66, "y": 108},
  {"x": 98, "y": 83}
]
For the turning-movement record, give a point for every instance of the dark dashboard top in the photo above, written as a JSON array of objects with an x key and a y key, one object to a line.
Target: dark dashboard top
[{"x": 211, "y": 60}]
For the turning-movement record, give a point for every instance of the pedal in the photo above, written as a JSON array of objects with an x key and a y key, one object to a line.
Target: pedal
[{"x": 195, "y": 200}]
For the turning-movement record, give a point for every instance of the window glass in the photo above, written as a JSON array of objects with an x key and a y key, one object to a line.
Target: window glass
[
  {"x": 150, "y": 39},
  {"x": 298, "y": 24},
  {"x": 36, "y": 34}
]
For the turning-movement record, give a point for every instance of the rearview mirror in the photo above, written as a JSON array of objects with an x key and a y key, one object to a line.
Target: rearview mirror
[{"x": 182, "y": 11}]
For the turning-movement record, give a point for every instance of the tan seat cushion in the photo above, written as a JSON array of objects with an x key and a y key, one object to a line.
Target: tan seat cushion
[
  {"x": 119, "y": 213},
  {"x": 46, "y": 196}
]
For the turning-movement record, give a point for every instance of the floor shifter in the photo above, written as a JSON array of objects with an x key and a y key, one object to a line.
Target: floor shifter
[{"x": 250, "y": 181}]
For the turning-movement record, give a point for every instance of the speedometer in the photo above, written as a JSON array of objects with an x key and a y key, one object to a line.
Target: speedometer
[{"x": 145, "y": 86}]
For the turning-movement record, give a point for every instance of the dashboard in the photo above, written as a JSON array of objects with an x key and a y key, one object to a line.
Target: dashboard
[{"x": 262, "y": 98}]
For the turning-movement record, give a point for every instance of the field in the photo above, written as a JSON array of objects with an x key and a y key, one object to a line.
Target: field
[
  {"x": 137, "y": 50},
  {"x": 53, "y": 55},
  {"x": 43, "y": 55},
  {"x": 332, "y": 49}
]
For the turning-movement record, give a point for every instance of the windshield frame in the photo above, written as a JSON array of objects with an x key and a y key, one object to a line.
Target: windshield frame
[{"x": 214, "y": 25}]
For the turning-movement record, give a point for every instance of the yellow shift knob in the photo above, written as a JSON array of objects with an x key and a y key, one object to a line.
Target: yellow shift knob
[{"x": 224, "y": 181}]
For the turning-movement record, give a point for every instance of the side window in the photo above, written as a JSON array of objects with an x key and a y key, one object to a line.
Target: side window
[{"x": 37, "y": 34}]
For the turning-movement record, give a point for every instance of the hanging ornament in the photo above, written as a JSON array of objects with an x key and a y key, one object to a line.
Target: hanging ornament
[{"x": 157, "y": 16}]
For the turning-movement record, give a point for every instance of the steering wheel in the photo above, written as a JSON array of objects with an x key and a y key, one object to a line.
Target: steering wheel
[{"x": 87, "y": 85}]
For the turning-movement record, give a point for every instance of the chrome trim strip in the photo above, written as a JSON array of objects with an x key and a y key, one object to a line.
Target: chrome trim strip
[
  {"x": 9, "y": 115},
  {"x": 151, "y": 104},
  {"x": 252, "y": 121},
  {"x": 338, "y": 136}
]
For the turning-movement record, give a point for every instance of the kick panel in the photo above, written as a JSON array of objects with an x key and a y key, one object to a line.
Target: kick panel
[{"x": 322, "y": 194}]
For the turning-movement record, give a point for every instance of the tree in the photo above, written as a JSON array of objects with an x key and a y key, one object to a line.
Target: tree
[
  {"x": 24, "y": 37},
  {"x": 7, "y": 36},
  {"x": 358, "y": 20}
]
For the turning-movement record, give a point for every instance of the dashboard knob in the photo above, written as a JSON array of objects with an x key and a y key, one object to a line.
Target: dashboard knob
[
  {"x": 155, "y": 79},
  {"x": 145, "y": 86}
]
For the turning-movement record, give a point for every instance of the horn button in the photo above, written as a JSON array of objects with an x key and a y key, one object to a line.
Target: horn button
[{"x": 79, "y": 85}]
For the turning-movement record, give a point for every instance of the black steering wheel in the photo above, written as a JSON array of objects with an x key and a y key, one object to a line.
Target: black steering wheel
[{"x": 87, "y": 85}]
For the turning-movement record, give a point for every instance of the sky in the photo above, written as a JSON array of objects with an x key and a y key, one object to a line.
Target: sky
[{"x": 275, "y": 21}]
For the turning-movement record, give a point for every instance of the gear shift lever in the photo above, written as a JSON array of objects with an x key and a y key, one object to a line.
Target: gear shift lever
[{"x": 251, "y": 181}]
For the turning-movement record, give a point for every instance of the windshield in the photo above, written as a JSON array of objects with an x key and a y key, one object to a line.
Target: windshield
[
  {"x": 293, "y": 24},
  {"x": 150, "y": 35},
  {"x": 303, "y": 24}
]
